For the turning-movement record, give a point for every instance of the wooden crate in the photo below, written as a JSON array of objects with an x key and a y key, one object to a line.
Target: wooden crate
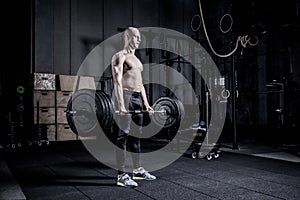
[
  {"x": 67, "y": 82},
  {"x": 45, "y": 98},
  {"x": 61, "y": 116},
  {"x": 85, "y": 82},
  {"x": 44, "y": 81},
  {"x": 46, "y": 116},
  {"x": 51, "y": 132},
  {"x": 72, "y": 83},
  {"x": 62, "y": 98},
  {"x": 64, "y": 133}
]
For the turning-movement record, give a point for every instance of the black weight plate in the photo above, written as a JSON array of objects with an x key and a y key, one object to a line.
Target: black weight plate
[
  {"x": 172, "y": 112},
  {"x": 101, "y": 109},
  {"x": 180, "y": 108},
  {"x": 84, "y": 122},
  {"x": 104, "y": 120},
  {"x": 110, "y": 111},
  {"x": 69, "y": 116}
]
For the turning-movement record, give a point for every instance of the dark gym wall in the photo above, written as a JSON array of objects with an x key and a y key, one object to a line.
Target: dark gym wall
[
  {"x": 145, "y": 13},
  {"x": 65, "y": 31},
  {"x": 86, "y": 30},
  {"x": 268, "y": 76},
  {"x": 61, "y": 36},
  {"x": 44, "y": 29}
]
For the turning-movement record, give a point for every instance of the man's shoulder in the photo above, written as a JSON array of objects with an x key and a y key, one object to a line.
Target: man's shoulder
[{"x": 119, "y": 55}]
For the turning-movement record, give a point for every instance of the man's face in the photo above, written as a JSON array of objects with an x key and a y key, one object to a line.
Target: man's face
[{"x": 135, "y": 39}]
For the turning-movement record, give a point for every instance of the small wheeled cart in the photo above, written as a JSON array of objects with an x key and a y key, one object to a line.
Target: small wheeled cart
[
  {"x": 208, "y": 151},
  {"x": 200, "y": 146}
]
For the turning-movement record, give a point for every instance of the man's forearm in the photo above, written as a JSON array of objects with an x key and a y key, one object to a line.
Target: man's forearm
[
  {"x": 117, "y": 71},
  {"x": 119, "y": 95},
  {"x": 144, "y": 96}
]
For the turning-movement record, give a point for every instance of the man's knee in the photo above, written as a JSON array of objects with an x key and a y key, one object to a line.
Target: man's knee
[{"x": 121, "y": 141}]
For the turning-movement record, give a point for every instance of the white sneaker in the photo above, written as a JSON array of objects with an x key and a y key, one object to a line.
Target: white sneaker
[
  {"x": 125, "y": 181},
  {"x": 142, "y": 174}
]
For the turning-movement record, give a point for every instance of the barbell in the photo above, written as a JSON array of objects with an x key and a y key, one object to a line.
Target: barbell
[
  {"x": 142, "y": 111},
  {"x": 86, "y": 109}
]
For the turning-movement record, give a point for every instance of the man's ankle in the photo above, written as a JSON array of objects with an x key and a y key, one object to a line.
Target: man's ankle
[
  {"x": 120, "y": 175},
  {"x": 137, "y": 169}
]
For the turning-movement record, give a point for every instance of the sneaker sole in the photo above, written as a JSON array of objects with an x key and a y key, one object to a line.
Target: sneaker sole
[
  {"x": 141, "y": 178},
  {"x": 138, "y": 178},
  {"x": 127, "y": 186}
]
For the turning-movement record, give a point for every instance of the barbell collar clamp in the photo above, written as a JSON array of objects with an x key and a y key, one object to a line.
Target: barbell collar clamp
[{"x": 78, "y": 112}]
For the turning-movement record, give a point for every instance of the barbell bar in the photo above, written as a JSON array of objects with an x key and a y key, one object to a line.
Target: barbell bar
[
  {"x": 86, "y": 109},
  {"x": 142, "y": 111},
  {"x": 84, "y": 112}
]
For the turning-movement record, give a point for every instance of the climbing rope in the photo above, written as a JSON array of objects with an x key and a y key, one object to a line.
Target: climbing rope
[{"x": 243, "y": 40}]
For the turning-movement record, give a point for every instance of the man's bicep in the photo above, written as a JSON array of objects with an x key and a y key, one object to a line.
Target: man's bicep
[
  {"x": 117, "y": 71},
  {"x": 117, "y": 65},
  {"x": 118, "y": 59}
]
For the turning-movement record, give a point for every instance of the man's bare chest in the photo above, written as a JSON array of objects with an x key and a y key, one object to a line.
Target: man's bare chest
[{"x": 132, "y": 63}]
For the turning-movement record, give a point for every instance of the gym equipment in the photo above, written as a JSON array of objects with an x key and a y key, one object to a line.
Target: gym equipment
[
  {"x": 39, "y": 130},
  {"x": 20, "y": 89},
  {"x": 88, "y": 108},
  {"x": 200, "y": 147},
  {"x": 173, "y": 111},
  {"x": 84, "y": 108},
  {"x": 15, "y": 126},
  {"x": 142, "y": 111},
  {"x": 12, "y": 133},
  {"x": 214, "y": 151},
  {"x": 20, "y": 113}
]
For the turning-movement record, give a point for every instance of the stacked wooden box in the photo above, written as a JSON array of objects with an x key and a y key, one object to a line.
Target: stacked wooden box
[
  {"x": 44, "y": 103},
  {"x": 63, "y": 94},
  {"x": 50, "y": 102}
]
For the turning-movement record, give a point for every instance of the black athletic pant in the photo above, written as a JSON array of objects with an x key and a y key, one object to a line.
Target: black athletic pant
[{"x": 133, "y": 101}]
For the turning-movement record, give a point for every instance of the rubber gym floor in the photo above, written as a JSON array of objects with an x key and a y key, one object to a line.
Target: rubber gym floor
[{"x": 67, "y": 171}]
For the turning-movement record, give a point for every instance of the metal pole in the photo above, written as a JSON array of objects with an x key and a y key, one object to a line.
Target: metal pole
[{"x": 234, "y": 95}]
